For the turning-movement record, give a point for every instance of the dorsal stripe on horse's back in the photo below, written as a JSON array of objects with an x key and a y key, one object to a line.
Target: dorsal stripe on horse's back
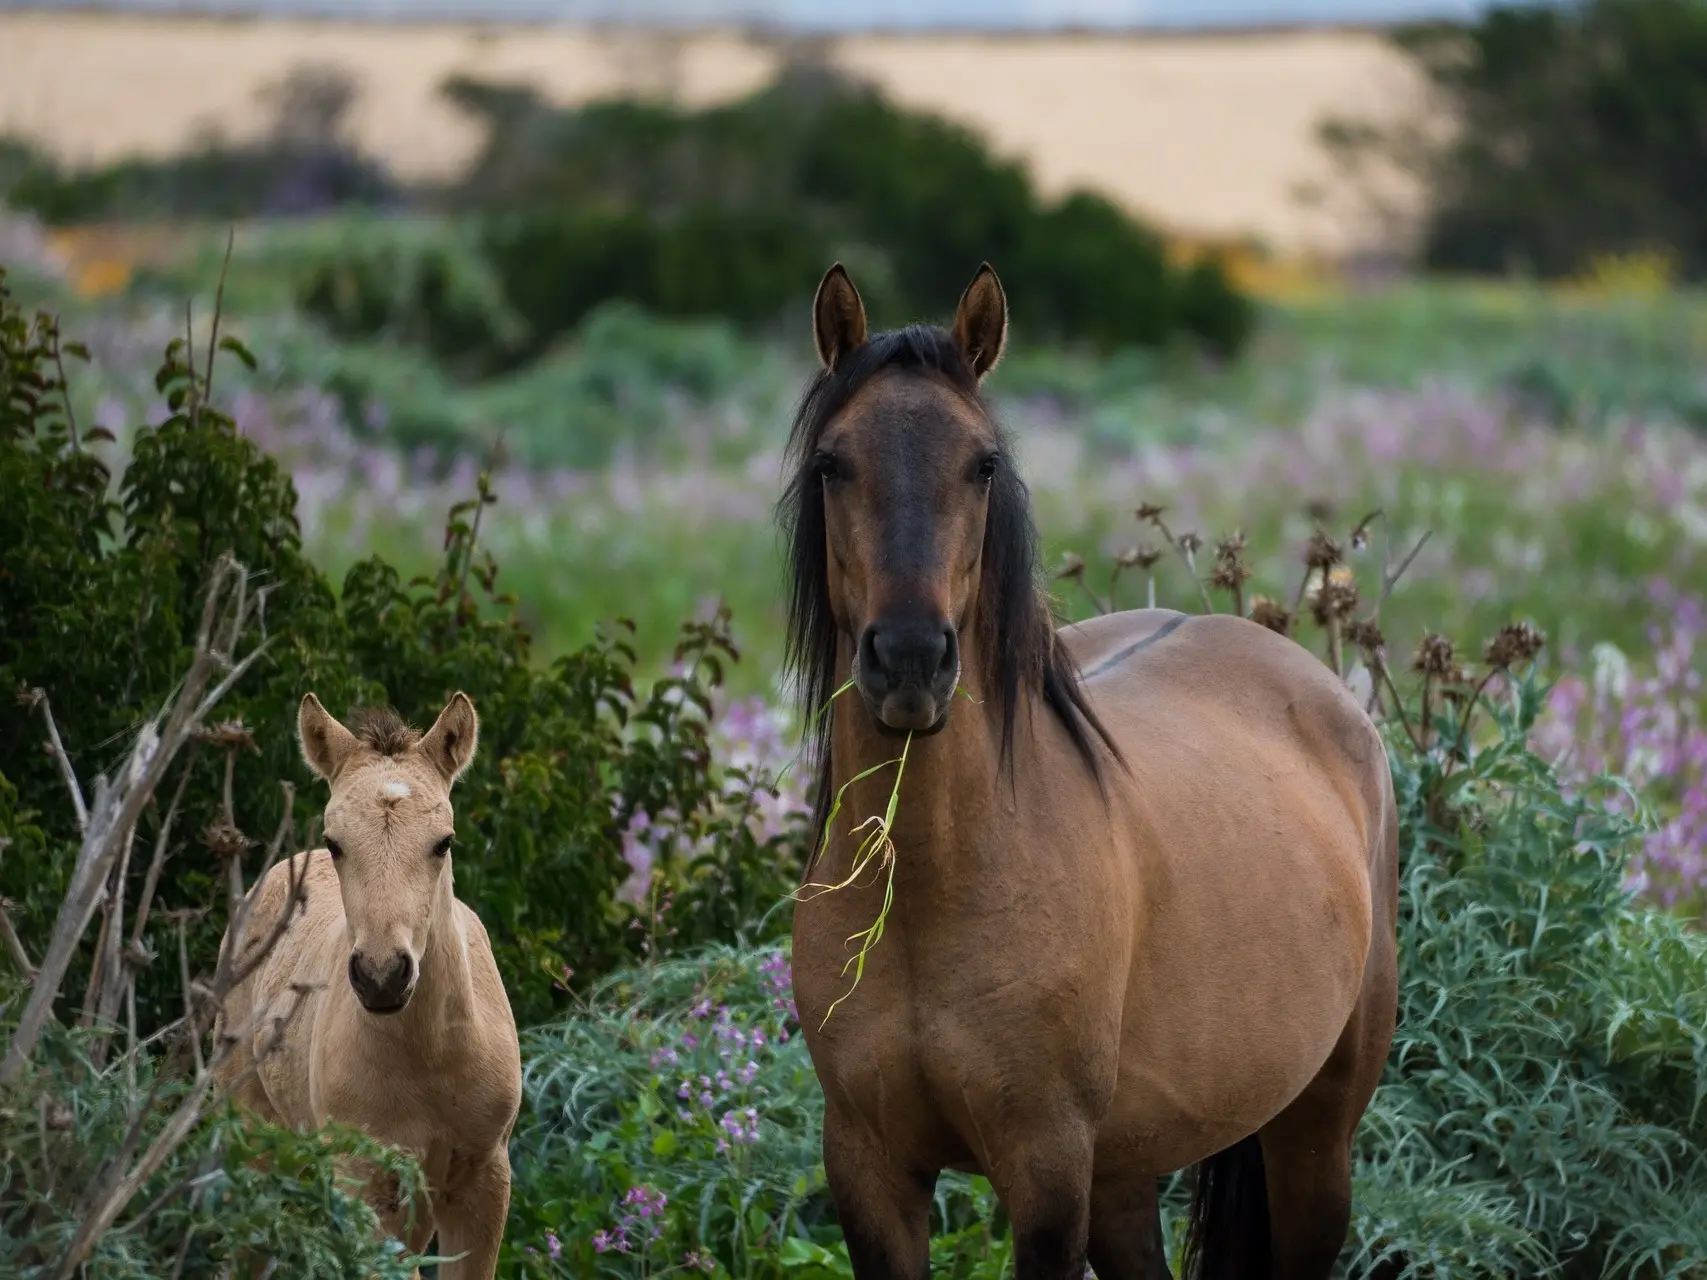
[{"x": 1160, "y": 633}]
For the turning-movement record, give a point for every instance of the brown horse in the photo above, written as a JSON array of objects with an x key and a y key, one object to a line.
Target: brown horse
[
  {"x": 408, "y": 1035},
  {"x": 1145, "y": 876}
]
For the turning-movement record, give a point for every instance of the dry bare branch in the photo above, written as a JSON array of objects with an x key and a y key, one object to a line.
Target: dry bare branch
[
  {"x": 38, "y": 698},
  {"x": 119, "y": 803}
]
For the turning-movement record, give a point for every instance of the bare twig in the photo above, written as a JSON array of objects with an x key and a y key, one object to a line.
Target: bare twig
[
  {"x": 119, "y": 804},
  {"x": 38, "y": 698},
  {"x": 65, "y": 392},
  {"x": 1389, "y": 580},
  {"x": 213, "y": 329},
  {"x": 14, "y": 944},
  {"x": 157, "y": 863},
  {"x": 9, "y": 936}
]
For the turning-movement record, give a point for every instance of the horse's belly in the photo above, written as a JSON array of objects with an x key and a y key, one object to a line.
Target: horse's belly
[{"x": 1231, "y": 1012}]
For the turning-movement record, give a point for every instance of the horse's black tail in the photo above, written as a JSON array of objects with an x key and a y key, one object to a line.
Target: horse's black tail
[{"x": 1227, "y": 1238}]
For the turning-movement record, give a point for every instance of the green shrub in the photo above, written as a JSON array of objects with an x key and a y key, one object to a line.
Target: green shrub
[
  {"x": 236, "y": 1194},
  {"x": 101, "y": 595},
  {"x": 737, "y": 209},
  {"x": 422, "y": 286},
  {"x": 218, "y": 182},
  {"x": 702, "y": 262}
]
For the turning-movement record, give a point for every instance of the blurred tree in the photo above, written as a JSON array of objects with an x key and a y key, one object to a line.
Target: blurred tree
[{"x": 1581, "y": 133}]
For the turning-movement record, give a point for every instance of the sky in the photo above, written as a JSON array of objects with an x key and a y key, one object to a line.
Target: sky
[{"x": 840, "y": 14}]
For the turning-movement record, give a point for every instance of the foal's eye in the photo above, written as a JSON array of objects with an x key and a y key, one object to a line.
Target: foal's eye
[
  {"x": 442, "y": 847},
  {"x": 826, "y": 466},
  {"x": 987, "y": 468},
  {"x": 335, "y": 849}
]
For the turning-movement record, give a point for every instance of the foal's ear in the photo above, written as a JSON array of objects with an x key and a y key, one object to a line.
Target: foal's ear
[
  {"x": 838, "y": 317},
  {"x": 450, "y": 743},
  {"x": 326, "y": 744},
  {"x": 981, "y": 322}
]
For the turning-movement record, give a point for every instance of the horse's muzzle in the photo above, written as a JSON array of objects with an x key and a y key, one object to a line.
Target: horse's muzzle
[
  {"x": 907, "y": 672},
  {"x": 384, "y": 987}
]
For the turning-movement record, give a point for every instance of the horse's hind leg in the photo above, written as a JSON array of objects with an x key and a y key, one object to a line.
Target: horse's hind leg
[
  {"x": 884, "y": 1208},
  {"x": 1306, "y": 1149},
  {"x": 1126, "y": 1230}
]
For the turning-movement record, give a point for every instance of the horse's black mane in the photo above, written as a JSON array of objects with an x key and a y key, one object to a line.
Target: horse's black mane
[
  {"x": 383, "y": 729},
  {"x": 1016, "y": 631}
]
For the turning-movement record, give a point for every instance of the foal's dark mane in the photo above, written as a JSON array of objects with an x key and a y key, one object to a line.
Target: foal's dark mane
[
  {"x": 1015, "y": 628},
  {"x": 383, "y": 729}
]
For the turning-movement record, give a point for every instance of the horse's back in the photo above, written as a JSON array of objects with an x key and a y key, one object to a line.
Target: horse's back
[{"x": 1257, "y": 808}]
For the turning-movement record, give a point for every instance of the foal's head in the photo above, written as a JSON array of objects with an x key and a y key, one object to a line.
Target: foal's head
[
  {"x": 389, "y": 828},
  {"x": 913, "y": 542}
]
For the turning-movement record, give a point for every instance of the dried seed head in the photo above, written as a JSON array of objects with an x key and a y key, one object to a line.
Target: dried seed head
[
  {"x": 1360, "y": 535},
  {"x": 1229, "y": 575},
  {"x": 1230, "y": 572},
  {"x": 1271, "y": 614},
  {"x": 56, "y": 1115},
  {"x": 1435, "y": 657},
  {"x": 1322, "y": 552},
  {"x": 1335, "y": 599},
  {"x": 1365, "y": 633},
  {"x": 1072, "y": 568},
  {"x": 1149, "y": 512},
  {"x": 223, "y": 839},
  {"x": 1143, "y": 557},
  {"x": 228, "y": 733},
  {"x": 1190, "y": 543},
  {"x": 1516, "y": 642}
]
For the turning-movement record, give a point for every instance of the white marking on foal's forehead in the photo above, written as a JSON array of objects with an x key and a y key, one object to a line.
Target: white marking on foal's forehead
[{"x": 395, "y": 789}]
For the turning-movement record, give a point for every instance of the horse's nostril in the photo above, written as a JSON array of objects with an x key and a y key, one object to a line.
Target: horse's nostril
[
  {"x": 870, "y": 659},
  {"x": 950, "y": 652},
  {"x": 911, "y": 650}
]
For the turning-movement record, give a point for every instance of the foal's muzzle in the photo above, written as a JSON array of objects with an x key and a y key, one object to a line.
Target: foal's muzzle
[
  {"x": 907, "y": 672},
  {"x": 384, "y": 986}
]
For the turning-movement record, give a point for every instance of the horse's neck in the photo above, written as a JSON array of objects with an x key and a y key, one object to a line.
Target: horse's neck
[{"x": 949, "y": 785}]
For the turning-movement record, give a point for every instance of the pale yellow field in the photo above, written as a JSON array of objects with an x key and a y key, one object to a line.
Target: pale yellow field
[{"x": 1210, "y": 136}]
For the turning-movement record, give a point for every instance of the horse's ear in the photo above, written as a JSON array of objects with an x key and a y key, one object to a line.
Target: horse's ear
[
  {"x": 838, "y": 317},
  {"x": 450, "y": 743},
  {"x": 981, "y": 322},
  {"x": 326, "y": 744}
]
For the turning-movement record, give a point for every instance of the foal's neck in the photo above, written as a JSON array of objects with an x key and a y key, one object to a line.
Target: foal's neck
[{"x": 444, "y": 993}]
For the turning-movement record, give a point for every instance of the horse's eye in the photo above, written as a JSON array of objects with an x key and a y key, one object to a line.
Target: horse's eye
[
  {"x": 442, "y": 847},
  {"x": 826, "y": 466},
  {"x": 335, "y": 849},
  {"x": 987, "y": 468}
]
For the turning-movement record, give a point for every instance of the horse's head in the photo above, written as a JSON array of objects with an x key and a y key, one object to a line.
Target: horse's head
[
  {"x": 389, "y": 828},
  {"x": 904, "y": 468}
]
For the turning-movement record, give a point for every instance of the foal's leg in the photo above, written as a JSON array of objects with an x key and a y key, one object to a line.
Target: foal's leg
[
  {"x": 471, "y": 1218},
  {"x": 1126, "y": 1240},
  {"x": 884, "y": 1207}
]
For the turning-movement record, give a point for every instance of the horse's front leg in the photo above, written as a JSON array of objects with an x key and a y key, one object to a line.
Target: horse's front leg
[
  {"x": 1043, "y": 1179},
  {"x": 883, "y": 1205},
  {"x": 471, "y": 1217}
]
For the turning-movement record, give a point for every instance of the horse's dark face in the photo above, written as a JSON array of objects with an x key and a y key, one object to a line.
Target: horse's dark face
[
  {"x": 906, "y": 469},
  {"x": 906, "y": 472}
]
